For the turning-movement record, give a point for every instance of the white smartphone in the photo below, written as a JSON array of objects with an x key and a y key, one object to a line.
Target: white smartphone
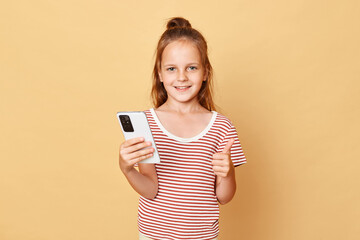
[{"x": 135, "y": 124}]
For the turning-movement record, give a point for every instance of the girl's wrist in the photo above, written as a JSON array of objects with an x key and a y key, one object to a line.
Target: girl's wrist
[
  {"x": 127, "y": 171},
  {"x": 230, "y": 177}
]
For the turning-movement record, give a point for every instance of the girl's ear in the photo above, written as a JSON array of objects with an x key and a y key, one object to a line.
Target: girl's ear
[
  {"x": 205, "y": 75},
  {"x": 159, "y": 73}
]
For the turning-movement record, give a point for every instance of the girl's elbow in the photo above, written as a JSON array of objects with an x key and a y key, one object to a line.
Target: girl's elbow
[
  {"x": 152, "y": 194},
  {"x": 224, "y": 201},
  {"x": 226, "y": 198}
]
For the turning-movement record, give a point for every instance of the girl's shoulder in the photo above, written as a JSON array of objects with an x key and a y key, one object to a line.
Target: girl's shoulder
[{"x": 222, "y": 119}]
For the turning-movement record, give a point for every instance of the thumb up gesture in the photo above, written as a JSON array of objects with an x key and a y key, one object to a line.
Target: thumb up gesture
[{"x": 222, "y": 164}]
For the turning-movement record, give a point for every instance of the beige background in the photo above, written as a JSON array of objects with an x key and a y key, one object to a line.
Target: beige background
[{"x": 287, "y": 75}]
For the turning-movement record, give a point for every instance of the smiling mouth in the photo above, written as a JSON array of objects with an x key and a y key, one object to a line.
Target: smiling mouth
[{"x": 182, "y": 88}]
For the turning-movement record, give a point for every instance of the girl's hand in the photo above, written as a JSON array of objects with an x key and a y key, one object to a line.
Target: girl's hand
[
  {"x": 222, "y": 164},
  {"x": 130, "y": 154}
]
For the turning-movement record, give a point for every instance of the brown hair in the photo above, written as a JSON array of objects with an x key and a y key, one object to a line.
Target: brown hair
[{"x": 180, "y": 28}]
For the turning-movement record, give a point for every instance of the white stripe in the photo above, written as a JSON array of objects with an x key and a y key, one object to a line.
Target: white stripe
[{"x": 186, "y": 205}]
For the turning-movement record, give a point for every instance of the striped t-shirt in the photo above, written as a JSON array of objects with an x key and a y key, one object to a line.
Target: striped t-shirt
[{"x": 186, "y": 206}]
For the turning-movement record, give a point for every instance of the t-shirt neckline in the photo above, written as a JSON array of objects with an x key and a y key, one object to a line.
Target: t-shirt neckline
[{"x": 180, "y": 139}]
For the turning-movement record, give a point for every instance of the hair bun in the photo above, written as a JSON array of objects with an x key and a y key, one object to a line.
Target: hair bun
[{"x": 178, "y": 22}]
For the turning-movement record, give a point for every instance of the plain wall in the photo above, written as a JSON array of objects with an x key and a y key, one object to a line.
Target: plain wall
[{"x": 286, "y": 73}]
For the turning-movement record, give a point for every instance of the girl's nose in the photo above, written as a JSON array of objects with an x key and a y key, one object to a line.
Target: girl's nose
[{"x": 182, "y": 76}]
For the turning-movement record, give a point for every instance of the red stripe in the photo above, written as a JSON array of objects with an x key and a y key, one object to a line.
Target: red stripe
[{"x": 186, "y": 206}]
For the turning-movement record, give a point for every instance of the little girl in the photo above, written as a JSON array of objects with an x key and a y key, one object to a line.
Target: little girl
[{"x": 198, "y": 147}]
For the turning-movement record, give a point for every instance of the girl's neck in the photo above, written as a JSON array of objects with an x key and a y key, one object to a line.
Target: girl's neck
[{"x": 182, "y": 108}]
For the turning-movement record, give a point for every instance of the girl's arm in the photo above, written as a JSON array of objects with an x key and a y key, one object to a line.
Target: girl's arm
[
  {"x": 223, "y": 167},
  {"x": 145, "y": 180},
  {"x": 225, "y": 188}
]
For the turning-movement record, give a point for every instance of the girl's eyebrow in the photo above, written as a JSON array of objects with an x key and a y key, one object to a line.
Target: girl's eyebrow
[{"x": 172, "y": 64}]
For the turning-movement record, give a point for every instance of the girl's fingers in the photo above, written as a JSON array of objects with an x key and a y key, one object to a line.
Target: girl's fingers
[
  {"x": 217, "y": 162},
  {"x": 140, "y": 155},
  {"x": 135, "y": 147},
  {"x": 220, "y": 156},
  {"x": 220, "y": 169},
  {"x": 137, "y": 160},
  {"x": 220, "y": 166},
  {"x": 132, "y": 141},
  {"x": 220, "y": 172}
]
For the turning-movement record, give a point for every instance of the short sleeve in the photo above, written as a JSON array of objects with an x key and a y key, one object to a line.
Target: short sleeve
[{"x": 237, "y": 154}]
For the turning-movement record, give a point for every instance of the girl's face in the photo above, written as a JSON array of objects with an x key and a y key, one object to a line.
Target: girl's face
[{"x": 181, "y": 71}]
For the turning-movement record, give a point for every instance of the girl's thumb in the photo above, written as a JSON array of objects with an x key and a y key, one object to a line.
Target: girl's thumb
[{"x": 228, "y": 145}]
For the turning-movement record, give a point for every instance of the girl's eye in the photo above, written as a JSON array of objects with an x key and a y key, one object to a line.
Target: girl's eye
[
  {"x": 192, "y": 68},
  {"x": 170, "y": 69}
]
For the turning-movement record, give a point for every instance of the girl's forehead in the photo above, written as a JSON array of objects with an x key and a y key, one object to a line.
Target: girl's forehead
[
  {"x": 181, "y": 49},
  {"x": 182, "y": 42}
]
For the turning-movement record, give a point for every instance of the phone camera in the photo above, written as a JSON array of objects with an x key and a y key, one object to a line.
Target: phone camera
[{"x": 126, "y": 123}]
